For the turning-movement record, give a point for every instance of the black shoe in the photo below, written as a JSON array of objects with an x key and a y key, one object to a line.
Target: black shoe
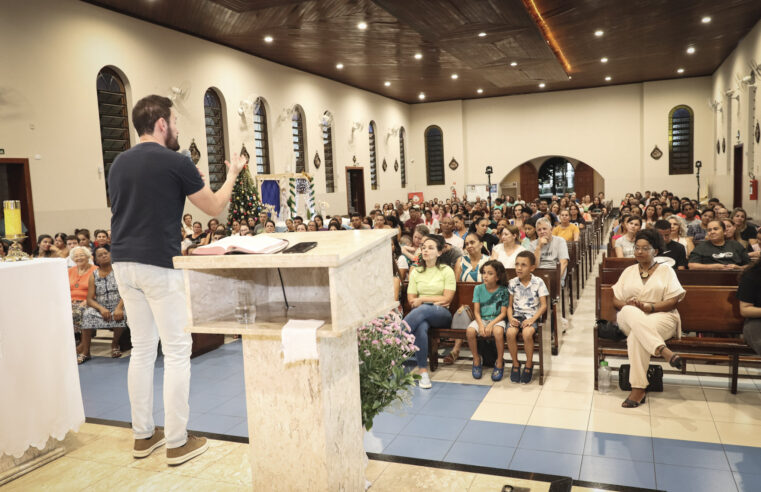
[{"x": 677, "y": 362}]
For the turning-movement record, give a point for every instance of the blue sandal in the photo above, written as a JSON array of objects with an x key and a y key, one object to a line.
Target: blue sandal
[
  {"x": 515, "y": 373},
  {"x": 478, "y": 371},
  {"x": 528, "y": 372},
  {"x": 496, "y": 374}
]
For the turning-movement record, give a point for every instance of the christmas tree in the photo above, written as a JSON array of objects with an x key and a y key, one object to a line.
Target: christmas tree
[{"x": 245, "y": 201}]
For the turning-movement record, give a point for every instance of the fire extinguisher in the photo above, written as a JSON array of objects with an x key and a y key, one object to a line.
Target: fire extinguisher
[{"x": 753, "y": 189}]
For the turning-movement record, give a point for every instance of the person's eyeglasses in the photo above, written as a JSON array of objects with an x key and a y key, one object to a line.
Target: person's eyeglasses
[{"x": 642, "y": 250}]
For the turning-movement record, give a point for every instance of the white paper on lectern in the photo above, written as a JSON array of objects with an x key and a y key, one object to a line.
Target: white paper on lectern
[{"x": 299, "y": 340}]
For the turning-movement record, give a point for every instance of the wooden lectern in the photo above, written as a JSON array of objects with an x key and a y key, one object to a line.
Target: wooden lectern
[{"x": 304, "y": 418}]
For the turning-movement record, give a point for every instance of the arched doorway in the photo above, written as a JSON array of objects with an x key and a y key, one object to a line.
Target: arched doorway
[
  {"x": 555, "y": 177},
  {"x": 525, "y": 179}
]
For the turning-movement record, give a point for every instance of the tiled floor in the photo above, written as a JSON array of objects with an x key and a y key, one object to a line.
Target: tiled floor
[{"x": 694, "y": 436}]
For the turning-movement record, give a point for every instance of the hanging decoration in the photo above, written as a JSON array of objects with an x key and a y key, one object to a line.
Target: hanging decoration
[
  {"x": 195, "y": 154},
  {"x": 656, "y": 153},
  {"x": 317, "y": 160},
  {"x": 396, "y": 164},
  {"x": 453, "y": 164},
  {"x": 758, "y": 133},
  {"x": 384, "y": 166},
  {"x": 718, "y": 147},
  {"x": 244, "y": 153}
]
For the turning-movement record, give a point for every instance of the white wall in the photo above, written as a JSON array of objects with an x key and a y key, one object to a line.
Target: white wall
[
  {"x": 737, "y": 115},
  {"x": 50, "y": 63}
]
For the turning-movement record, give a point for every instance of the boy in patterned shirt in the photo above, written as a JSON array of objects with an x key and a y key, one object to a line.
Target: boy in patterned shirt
[{"x": 529, "y": 301}]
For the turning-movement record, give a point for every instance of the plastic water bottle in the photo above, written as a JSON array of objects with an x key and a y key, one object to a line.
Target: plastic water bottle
[
  {"x": 603, "y": 377},
  {"x": 245, "y": 312}
]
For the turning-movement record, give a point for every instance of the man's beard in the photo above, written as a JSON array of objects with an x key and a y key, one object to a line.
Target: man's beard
[{"x": 172, "y": 143}]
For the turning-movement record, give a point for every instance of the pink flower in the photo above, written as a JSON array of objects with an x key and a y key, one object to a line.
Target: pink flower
[
  {"x": 393, "y": 363},
  {"x": 375, "y": 342}
]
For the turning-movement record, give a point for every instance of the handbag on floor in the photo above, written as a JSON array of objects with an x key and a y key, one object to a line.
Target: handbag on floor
[
  {"x": 654, "y": 378},
  {"x": 609, "y": 330},
  {"x": 487, "y": 349}
]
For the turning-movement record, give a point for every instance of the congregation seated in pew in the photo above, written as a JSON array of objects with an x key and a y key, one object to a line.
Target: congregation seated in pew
[{"x": 717, "y": 252}]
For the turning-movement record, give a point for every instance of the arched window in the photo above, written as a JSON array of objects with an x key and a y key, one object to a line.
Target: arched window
[
  {"x": 434, "y": 155},
  {"x": 114, "y": 124},
  {"x": 373, "y": 161},
  {"x": 215, "y": 138},
  {"x": 681, "y": 124},
  {"x": 299, "y": 147},
  {"x": 327, "y": 142},
  {"x": 261, "y": 138},
  {"x": 402, "y": 162}
]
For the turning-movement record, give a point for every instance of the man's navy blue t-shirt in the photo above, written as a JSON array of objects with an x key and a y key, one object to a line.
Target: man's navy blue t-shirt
[{"x": 148, "y": 185}]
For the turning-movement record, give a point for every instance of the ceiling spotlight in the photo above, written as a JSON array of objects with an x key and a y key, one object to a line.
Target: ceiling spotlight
[
  {"x": 340, "y": 66},
  {"x": 481, "y": 34},
  {"x": 268, "y": 39},
  {"x": 513, "y": 64},
  {"x": 387, "y": 83},
  {"x": 418, "y": 56},
  {"x": 690, "y": 50},
  {"x": 421, "y": 96},
  {"x": 706, "y": 20},
  {"x": 480, "y": 91},
  {"x": 454, "y": 76},
  {"x": 679, "y": 70},
  {"x": 362, "y": 26},
  {"x": 542, "y": 85},
  {"x": 604, "y": 60},
  {"x": 599, "y": 33},
  {"x": 608, "y": 78}
]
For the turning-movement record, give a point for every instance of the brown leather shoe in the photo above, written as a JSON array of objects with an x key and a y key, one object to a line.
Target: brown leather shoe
[
  {"x": 192, "y": 448},
  {"x": 144, "y": 447}
]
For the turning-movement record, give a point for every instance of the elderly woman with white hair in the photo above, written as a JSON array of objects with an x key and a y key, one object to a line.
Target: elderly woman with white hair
[{"x": 79, "y": 281}]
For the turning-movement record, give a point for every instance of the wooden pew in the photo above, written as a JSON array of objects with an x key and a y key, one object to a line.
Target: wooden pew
[{"x": 706, "y": 310}]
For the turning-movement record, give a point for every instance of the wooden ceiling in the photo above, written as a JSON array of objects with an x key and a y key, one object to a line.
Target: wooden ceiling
[{"x": 552, "y": 41}]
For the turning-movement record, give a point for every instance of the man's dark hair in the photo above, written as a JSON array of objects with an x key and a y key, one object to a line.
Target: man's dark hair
[
  {"x": 528, "y": 255},
  {"x": 662, "y": 225},
  {"x": 148, "y": 111},
  {"x": 355, "y": 214}
]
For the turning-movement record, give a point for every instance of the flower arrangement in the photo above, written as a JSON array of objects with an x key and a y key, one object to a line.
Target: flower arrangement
[{"x": 384, "y": 344}]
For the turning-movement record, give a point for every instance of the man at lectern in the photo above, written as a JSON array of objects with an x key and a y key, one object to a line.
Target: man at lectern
[{"x": 147, "y": 186}]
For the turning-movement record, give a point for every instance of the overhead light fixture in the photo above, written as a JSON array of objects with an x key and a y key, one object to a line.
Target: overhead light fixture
[
  {"x": 362, "y": 26},
  {"x": 513, "y": 64},
  {"x": 340, "y": 66},
  {"x": 481, "y": 34},
  {"x": 604, "y": 60},
  {"x": 608, "y": 78},
  {"x": 706, "y": 20},
  {"x": 455, "y": 76},
  {"x": 679, "y": 70},
  {"x": 690, "y": 50},
  {"x": 268, "y": 39},
  {"x": 418, "y": 56},
  {"x": 480, "y": 91},
  {"x": 599, "y": 33},
  {"x": 387, "y": 83},
  {"x": 542, "y": 85},
  {"x": 421, "y": 96}
]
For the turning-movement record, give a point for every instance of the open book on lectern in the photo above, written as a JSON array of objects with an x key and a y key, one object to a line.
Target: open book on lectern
[{"x": 260, "y": 244}]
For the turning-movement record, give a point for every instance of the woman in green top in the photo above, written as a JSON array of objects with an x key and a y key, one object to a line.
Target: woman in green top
[{"x": 430, "y": 290}]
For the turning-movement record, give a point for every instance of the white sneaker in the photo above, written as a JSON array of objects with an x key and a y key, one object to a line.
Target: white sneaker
[{"x": 425, "y": 381}]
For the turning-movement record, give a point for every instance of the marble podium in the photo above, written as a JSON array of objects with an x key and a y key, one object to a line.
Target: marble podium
[{"x": 304, "y": 418}]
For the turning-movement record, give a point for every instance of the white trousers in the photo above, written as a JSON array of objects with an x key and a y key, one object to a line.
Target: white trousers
[
  {"x": 154, "y": 299},
  {"x": 646, "y": 332}
]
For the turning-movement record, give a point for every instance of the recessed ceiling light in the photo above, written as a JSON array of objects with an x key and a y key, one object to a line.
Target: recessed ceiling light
[
  {"x": 604, "y": 59},
  {"x": 362, "y": 26},
  {"x": 340, "y": 66},
  {"x": 706, "y": 20},
  {"x": 513, "y": 64},
  {"x": 599, "y": 32},
  {"x": 481, "y": 34},
  {"x": 421, "y": 96},
  {"x": 455, "y": 76},
  {"x": 690, "y": 50},
  {"x": 387, "y": 83},
  {"x": 679, "y": 70},
  {"x": 608, "y": 78},
  {"x": 480, "y": 91},
  {"x": 542, "y": 85},
  {"x": 418, "y": 56},
  {"x": 268, "y": 39}
]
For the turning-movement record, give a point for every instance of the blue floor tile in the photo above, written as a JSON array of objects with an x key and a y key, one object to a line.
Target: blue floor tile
[
  {"x": 529, "y": 460},
  {"x": 240, "y": 429},
  {"x": 463, "y": 391},
  {"x": 390, "y": 423},
  {"x": 551, "y": 439},
  {"x": 234, "y": 407},
  {"x": 493, "y": 433},
  {"x": 95, "y": 408},
  {"x": 122, "y": 413},
  {"x": 619, "y": 446},
  {"x": 744, "y": 459},
  {"x": 419, "y": 399},
  {"x": 204, "y": 402},
  {"x": 689, "y": 479},
  {"x": 375, "y": 442},
  {"x": 480, "y": 455},
  {"x": 748, "y": 482},
  {"x": 618, "y": 472},
  {"x": 218, "y": 424},
  {"x": 418, "y": 447},
  {"x": 446, "y": 428},
  {"x": 446, "y": 407},
  {"x": 690, "y": 453},
  {"x": 220, "y": 388}
]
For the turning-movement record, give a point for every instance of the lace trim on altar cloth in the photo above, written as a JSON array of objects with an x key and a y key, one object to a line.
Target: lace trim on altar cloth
[{"x": 18, "y": 449}]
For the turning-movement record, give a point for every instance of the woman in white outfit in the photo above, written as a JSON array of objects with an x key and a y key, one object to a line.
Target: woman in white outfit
[
  {"x": 507, "y": 250},
  {"x": 646, "y": 296}
]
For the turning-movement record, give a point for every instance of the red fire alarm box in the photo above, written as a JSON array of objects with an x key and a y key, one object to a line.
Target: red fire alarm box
[{"x": 753, "y": 189}]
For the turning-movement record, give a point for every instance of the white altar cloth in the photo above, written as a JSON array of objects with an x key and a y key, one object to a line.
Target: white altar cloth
[{"x": 40, "y": 395}]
